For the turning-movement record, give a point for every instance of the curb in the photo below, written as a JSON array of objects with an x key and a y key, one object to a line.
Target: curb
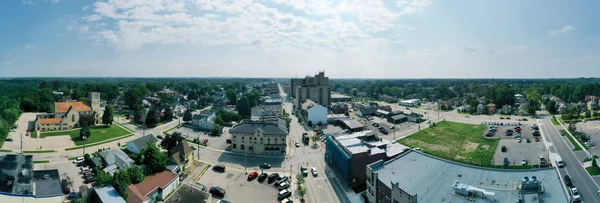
[{"x": 573, "y": 137}]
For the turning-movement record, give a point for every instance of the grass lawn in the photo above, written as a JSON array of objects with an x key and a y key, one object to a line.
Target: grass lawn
[
  {"x": 38, "y": 151},
  {"x": 5, "y": 150},
  {"x": 41, "y": 161},
  {"x": 459, "y": 142},
  {"x": 593, "y": 170},
  {"x": 571, "y": 139},
  {"x": 99, "y": 133},
  {"x": 554, "y": 121}
]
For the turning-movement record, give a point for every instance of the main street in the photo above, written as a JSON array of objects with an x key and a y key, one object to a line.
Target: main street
[{"x": 573, "y": 167}]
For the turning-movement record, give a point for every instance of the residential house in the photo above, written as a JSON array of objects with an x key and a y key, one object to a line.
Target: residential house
[
  {"x": 314, "y": 113},
  {"x": 204, "y": 121},
  {"x": 480, "y": 109},
  {"x": 180, "y": 156},
  {"x": 387, "y": 108},
  {"x": 154, "y": 188},
  {"x": 367, "y": 111},
  {"x": 506, "y": 109},
  {"x": 592, "y": 105},
  {"x": 388, "y": 98},
  {"x": 445, "y": 104},
  {"x": 135, "y": 146},
  {"x": 491, "y": 108},
  {"x": 115, "y": 159},
  {"x": 562, "y": 108},
  {"x": 265, "y": 135},
  {"x": 106, "y": 194},
  {"x": 66, "y": 114},
  {"x": 589, "y": 98}
]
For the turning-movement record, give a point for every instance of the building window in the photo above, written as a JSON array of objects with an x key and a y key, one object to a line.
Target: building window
[
  {"x": 255, "y": 138},
  {"x": 261, "y": 139},
  {"x": 242, "y": 138},
  {"x": 233, "y": 146},
  {"x": 72, "y": 117},
  {"x": 268, "y": 139},
  {"x": 242, "y": 147},
  {"x": 234, "y": 136}
]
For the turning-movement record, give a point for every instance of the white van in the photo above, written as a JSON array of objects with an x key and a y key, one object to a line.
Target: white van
[{"x": 559, "y": 161}]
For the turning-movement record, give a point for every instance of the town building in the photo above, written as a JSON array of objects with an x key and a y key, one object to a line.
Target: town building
[
  {"x": 314, "y": 113},
  {"x": 410, "y": 102},
  {"x": 351, "y": 124},
  {"x": 333, "y": 118},
  {"x": 397, "y": 117},
  {"x": 314, "y": 88},
  {"x": 367, "y": 111},
  {"x": 188, "y": 194},
  {"x": 592, "y": 105},
  {"x": 135, "y": 146},
  {"x": 106, "y": 194},
  {"x": 337, "y": 97},
  {"x": 414, "y": 117},
  {"x": 339, "y": 108},
  {"x": 491, "y": 108},
  {"x": 388, "y": 98},
  {"x": 350, "y": 154},
  {"x": 264, "y": 135},
  {"x": 270, "y": 107},
  {"x": 205, "y": 120},
  {"x": 480, "y": 109},
  {"x": 66, "y": 114},
  {"x": 153, "y": 188},
  {"x": 415, "y": 177},
  {"x": 114, "y": 159},
  {"x": 20, "y": 183},
  {"x": 179, "y": 157}
]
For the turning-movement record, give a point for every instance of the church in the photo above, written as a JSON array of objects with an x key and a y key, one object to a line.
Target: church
[{"x": 66, "y": 114}]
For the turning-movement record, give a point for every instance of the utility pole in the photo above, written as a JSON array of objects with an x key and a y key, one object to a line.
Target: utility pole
[
  {"x": 198, "y": 148},
  {"x": 439, "y": 106},
  {"x": 21, "y": 143}
]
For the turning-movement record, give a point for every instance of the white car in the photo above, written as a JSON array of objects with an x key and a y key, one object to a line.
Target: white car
[
  {"x": 313, "y": 170},
  {"x": 524, "y": 161},
  {"x": 78, "y": 160},
  {"x": 575, "y": 193},
  {"x": 84, "y": 168}
]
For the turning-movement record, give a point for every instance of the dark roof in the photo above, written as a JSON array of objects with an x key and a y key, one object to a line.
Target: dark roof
[
  {"x": 187, "y": 194},
  {"x": 398, "y": 117},
  {"x": 180, "y": 151},
  {"x": 142, "y": 141},
  {"x": 206, "y": 113},
  {"x": 369, "y": 110},
  {"x": 396, "y": 112},
  {"x": 17, "y": 169},
  {"x": 47, "y": 183},
  {"x": 97, "y": 161},
  {"x": 271, "y": 125},
  {"x": 413, "y": 115}
]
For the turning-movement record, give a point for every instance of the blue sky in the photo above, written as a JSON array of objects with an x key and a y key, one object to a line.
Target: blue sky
[{"x": 288, "y": 38}]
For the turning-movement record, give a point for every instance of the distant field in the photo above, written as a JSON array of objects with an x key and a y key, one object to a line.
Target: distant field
[
  {"x": 99, "y": 133},
  {"x": 455, "y": 141}
]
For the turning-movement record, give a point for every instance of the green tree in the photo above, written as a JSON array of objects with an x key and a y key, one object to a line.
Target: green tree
[
  {"x": 315, "y": 138},
  {"x": 187, "y": 116},
  {"x": 254, "y": 97},
  {"x": 216, "y": 130},
  {"x": 231, "y": 96},
  {"x": 171, "y": 140},
  {"x": 299, "y": 180},
  {"x": 588, "y": 114},
  {"x": 167, "y": 114},
  {"x": 154, "y": 160},
  {"x": 551, "y": 107},
  {"x": 84, "y": 132},
  {"x": 88, "y": 120},
  {"x": 152, "y": 118},
  {"x": 594, "y": 162},
  {"x": 102, "y": 178},
  {"x": 243, "y": 107},
  {"x": 137, "y": 117},
  {"x": 121, "y": 180},
  {"x": 107, "y": 117},
  {"x": 594, "y": 114},
  {"x": 301, "y": 192},
  {"x": 136, "y": 174},
  {"x": 572, "y": 128}
]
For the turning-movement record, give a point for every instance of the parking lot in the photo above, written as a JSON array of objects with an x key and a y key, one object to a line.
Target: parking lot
[
  {"x": 238, "y": 188},
  {"x": 592, "y": 129},
  {"x": 515, "y": 150},
  {"x": 66, "y": 169},
  {"x": 218, "y": 142}
]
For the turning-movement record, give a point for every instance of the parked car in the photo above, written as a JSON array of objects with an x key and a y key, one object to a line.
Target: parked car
[
  {"x": 568, "y": 181},
  {"x": 284, "y": 194},
  {"x": 219, "y": 168},
  {"x": 297, "y": 144},
  {"x": 506, "y": 162},
  {"x": 502, "y": 118},
  {"x": 314, "y": 172},
  {"x": 89, "y": 179},
  {"x": 66, "y": 186},
  {"x": 183, "y": 176},
  {"x": 160, "y": 137},
  {"x": 229, "y": 140},
  {"x": 272, "y": 177},
  {"x": 575, "y": 194},
  {"x": 217, "y": 191},
  {"x": 193, "y": 147},
  {"x": 252, "y": 175},
  {"x": 78, "y": 160},
  {"x": 284, "y": 185},
  {"x": 265, "y": 166},
  {"x": 262, "y": 177},
  {"x": 528, "y": 140},
  {"x": 201, "y": 186},
  {"x": 503, "y": 149},
  {"x": 223, "y": 201},
  {"x": 8, "y": 139},
  {"x": 523, "y": 161},
  {"x": 84, "y": 168}
]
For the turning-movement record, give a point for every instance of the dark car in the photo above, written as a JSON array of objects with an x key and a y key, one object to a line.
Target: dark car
[
  {"x": 89, "y": 179},
  {"x": 159, "y": 137},
  {"x": 524, "y": 119},
  {"x": 262, "y": 177},
  {"x": 272, "y": 178},
  {"x": 503, "y": 149},
  {"x": 183, "y": 176},
  {"x": 265, "y": 166},
  {"x": 219, "y": 168},
  {"x": 9, "y": 139},
  {"x": 568, "y": 181},
  {"x": 217, "y": 191},
  {"x": 201, "y": 186},
  {"x": 506, "y": 162},
  {"x": 66, "y": 186}
]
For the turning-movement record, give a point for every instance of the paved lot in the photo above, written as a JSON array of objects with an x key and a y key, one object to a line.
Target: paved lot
[
  {"x": 517, "y": 151},
  {"x": 592, "y": 128},
  {"x": 238, "y": 188},
  {"x": 217, "y": 142},
  {"x": 65, "y": 169}
]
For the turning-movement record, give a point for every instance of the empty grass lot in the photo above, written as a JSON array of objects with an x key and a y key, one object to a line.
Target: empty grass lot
[
  {"x": 459, "y": 142},
  {"x": 99, "y": 133}
]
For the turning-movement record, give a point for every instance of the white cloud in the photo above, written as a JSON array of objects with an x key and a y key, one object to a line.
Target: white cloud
[
  {"x": 29, "y": 46},
  {"x": 564, "y": 30},
  {"x": 132, "y": 24},
  {"x": 7, "y": 63},
  {"x": 35, "y": 2}
]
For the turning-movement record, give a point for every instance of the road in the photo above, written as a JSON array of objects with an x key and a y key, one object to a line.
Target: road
[{"x": 573, "y": 167}]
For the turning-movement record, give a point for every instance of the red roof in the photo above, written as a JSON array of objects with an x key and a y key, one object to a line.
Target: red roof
[
  {"x": 50, "y": 120},
  {"x": 62, "y": 107},
  {"x": 139, "y": 192}
]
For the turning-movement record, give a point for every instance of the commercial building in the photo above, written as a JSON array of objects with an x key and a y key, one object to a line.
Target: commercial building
[
  {"x": 66, "y": 114},
  {"x": 188, "y": 194},
  {"x": 20, "y": 183},
  {"x": 153, "y": 188},
  {"x": 314, "y": 113},
  {"x": 264, "y": 135},
  {"x": 350, "y": 154},
  {"x": 106, "y": 194},
  {"x": 417, "y": 177},
  {"x": 314, "y": 88},
  {"x": 271, "y": 107},
  {"x": 410, "y": 102},
  {"x": 351, "y": 124},
  {"x": 337, "y": 97}
]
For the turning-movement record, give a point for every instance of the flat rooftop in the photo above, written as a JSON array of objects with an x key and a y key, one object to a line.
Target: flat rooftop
[
  {"x": 364, "y": 141},
  {"x": 339, "y": 96},
  {"x": 16, "y": 174},
  {"x": 352, "y": 123},
  {"x": 188, "y": 194},
  {"x": 432, "y": 179}
]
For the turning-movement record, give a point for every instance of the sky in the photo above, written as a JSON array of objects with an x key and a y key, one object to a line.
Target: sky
[{"x": 295, "y": 38}]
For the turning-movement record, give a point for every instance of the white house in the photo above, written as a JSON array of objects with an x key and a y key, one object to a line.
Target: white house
[
  {"x": 137, "y": 145},
  {"x": 204, "y": 121},
  {"x": 314, "y": 112}
]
